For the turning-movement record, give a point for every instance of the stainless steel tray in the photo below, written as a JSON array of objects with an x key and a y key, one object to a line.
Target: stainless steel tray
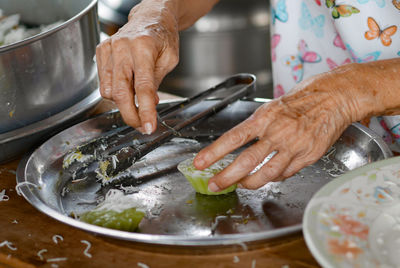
[
  {"x": 18, "y": 141},
  {"x": 176, "y": 215}
]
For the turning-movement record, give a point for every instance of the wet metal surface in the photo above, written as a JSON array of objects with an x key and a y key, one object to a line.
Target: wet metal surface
[{"x": 175, "y": 214}]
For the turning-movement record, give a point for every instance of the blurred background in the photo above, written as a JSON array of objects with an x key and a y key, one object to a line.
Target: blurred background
[{"x": 232, "y": 38}]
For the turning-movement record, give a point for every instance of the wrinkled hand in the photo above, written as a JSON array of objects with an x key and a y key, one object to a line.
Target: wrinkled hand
[
  {"x": 300, "y": 126},
  {"x": 133, "y": 62}
]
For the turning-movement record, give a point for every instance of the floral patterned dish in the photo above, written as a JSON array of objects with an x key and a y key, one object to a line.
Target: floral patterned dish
[{"x": 354, "y": 220}]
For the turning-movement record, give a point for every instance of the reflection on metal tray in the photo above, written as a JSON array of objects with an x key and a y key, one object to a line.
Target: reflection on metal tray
[{"x": 176, "y": 215}]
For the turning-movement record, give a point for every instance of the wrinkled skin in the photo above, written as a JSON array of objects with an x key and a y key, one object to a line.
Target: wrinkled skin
[
  {"x": 303, "y": 124},
  {"x": 133, "y": 62},
  {"x": 300, "y": 126}
]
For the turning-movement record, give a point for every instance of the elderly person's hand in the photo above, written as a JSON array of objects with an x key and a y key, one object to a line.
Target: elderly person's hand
[
  {"x": 133, "y": 62},
  {"x": 302, "y": 125}
]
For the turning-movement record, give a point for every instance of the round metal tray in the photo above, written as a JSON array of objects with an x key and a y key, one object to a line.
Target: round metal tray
[{"x": 176, "y": 215}]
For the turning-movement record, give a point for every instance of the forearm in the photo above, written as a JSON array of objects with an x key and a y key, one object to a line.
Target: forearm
[
  {"x": 363, "y": 90},
  {"x": 374, "y": 88},
  {"x": 185, "y": 12},
  {"x": 191, "y": 10}
]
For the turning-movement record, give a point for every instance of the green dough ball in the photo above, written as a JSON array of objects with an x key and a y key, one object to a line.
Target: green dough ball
[
  {"x": 199, "y": 178},
  {"x": 127, "y": 220}
]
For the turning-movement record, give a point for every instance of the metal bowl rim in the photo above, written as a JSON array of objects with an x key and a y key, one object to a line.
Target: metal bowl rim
[
  {"x": 39, "y": 36},
  {"x": 378, "y": 139},
  {"x": 86, "y": 103}
]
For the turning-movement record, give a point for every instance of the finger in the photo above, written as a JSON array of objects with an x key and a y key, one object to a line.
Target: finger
[
  {"x": 156, "y": 100},
  {"x": 145, "y": 86},
  {"x": 231, "y": 140},
  {"x": 147, "y": 98},
  {"x": 241, "y": 167},
  {"x": 105, "y": 68},
  {"x": 122, "y": 84},
  {"x": 165, "y": 64},
  {"x": 159, "y": 75},
  {"x": 272, "y": 170},
  {"x": 300, "y": 162}
]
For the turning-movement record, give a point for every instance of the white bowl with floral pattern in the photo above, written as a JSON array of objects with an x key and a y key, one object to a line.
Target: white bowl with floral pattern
[{"x": 354, "y": 220}]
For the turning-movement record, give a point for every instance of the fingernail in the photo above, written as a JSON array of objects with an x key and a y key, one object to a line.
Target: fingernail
[
  {"x": 148, "y": 128},
  {"x": 212, "y": 187},
  {"x": 239, "y": 185}
]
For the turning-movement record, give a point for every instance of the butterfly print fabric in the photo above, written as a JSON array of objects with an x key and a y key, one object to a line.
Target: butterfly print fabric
[
  {"x": 375, "y": 32},
  {"x": 314, "y": 36}
]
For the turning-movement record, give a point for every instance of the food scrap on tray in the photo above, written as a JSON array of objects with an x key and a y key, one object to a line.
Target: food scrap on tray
[
  {"x": 75, "y": 156},
  {"x": 127, "y": 220},
  {"x": 117, "y": 211}
]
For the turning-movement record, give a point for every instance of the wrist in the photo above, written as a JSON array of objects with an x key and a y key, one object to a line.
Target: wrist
[
  {"x": 372, "y": 89},
  {"x": 153, "y": 17},
  {"x": 358, "y": 97},
  {"x": 184, "y": 12},
  {"x": 189, "y": 11},
  {"x": 155, "y": 9}
]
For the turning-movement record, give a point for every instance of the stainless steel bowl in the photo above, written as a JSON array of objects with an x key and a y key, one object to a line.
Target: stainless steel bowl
[
  {"x": 232, "y": 38},
  {"x": 14, "y": 143},
  {"x": 49, "y": 72}
]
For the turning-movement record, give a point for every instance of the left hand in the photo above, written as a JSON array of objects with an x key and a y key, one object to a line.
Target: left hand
[{"x": 300, "y": 126}]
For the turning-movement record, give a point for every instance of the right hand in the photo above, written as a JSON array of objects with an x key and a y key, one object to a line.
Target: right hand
[
  {"x": 133, "y": 62},
  {"x": 300, "y": 126}
]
